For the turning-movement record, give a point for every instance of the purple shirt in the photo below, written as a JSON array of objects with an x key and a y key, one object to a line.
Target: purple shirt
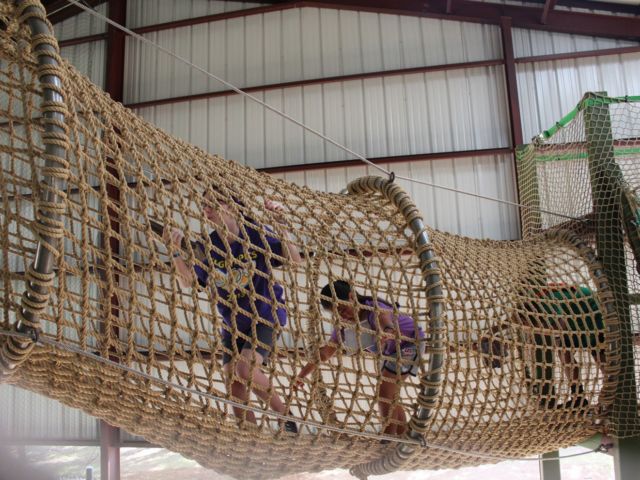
[
  {"x": 405, "y": 324},
  {"x": 243, "y": 255}
]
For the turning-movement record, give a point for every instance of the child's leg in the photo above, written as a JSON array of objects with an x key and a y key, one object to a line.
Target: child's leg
[
  {"x": 400, "y": 418},
  {"x": 249, "y": 369},
  {"x": 395, "y": 423},
  {"x": 239, "y": 392}
]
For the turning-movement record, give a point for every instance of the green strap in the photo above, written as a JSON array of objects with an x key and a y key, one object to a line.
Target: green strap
[
  {"x": 581, "y": 154},
  {"x": 590, "y": 101}
]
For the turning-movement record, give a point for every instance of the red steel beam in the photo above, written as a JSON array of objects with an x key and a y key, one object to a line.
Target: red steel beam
[
  {"x": 317, "y": 81},
  {"x": 114, "y": 86},
  {"x": 483, "y": 12},
  {"x": 601, "y": 6},
  {"x": 512, "y": 81},
  {"x": 80, "y": 40},
  {"x": 109, "y": 451},
  {"x": 301, "y": 167},
  {"x": 187, "y": 22},
  {"x": 548, "y": 6},
  {"x": 512, "y": 95},
  {"x": 114, "y": 83},
  {"x": 584, "y": 54},
  {"x": 59, "y": 10},
  {"x": 469, "y": 11},
  {"x": 388, "y": 160}
]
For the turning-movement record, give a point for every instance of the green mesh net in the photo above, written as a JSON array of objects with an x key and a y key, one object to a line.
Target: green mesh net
[{"x": 583, "y": 174}]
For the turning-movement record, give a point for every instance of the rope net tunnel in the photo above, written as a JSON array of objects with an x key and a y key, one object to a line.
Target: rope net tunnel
[{"x": 491, "y": 349}]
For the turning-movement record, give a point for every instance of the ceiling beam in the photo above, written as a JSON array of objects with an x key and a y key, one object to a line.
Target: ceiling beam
[
  {"x": 317, "y": 81},
  {"x": 522, "y": 17},
  {"x": 80, "y": 40},
  {"x": 583, "y": 54},
  {"x": 465, "y": 11},
  {"x": 601, "y": 6},
  {"x": 548, "y": 6},
  {"x": 305, "y": 167},
  {"x": 449, "y": 8},
  {"x": 511, "y": 81}
]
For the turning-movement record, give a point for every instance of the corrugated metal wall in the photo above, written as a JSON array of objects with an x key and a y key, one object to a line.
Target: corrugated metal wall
[
  {"x": 151, "y": 12},
  {"x": 444, "y": 111},
  {"x": 549, "y": 90},
  {"x": 88, "y": 58},
  {"x": 379, "y": 117},
  {"x": 538, "y": 42},
  {"x": 28, "y": 417},
  {"x": 298, "y": 44},
  {"x": 81, "y": 25},
  {"x": 488, "y": 175}
]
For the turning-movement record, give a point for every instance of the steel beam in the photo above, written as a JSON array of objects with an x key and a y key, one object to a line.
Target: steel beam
[
  {"x": 563, "y": 21},
  {"x": 59, "y": 10},
  {"x": 585, "y": 54},
  {"x": 388, "y": 160},
  {"x": 114, "y": 86},
  {"x": 548, "y": 7},
  {"x": 80, "y": 40},
  {"x": 109, "y": 452},
  {"x": 320, "y": 81},
  {"x": 511, "y": 80}
]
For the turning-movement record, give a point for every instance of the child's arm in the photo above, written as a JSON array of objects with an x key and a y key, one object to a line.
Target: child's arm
[
  {"x": 184, "y": 270},
  {"x": 387, "y": 324},
  {"x": 326, "y": 353},
  {"x": 289, "y": 250}
]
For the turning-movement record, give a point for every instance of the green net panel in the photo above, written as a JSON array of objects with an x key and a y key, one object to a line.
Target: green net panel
[{"x": 587, "y": 167}]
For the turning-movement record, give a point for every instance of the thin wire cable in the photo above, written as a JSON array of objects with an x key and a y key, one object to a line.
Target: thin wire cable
[
  {"x": 227, "y": 84},
  {"x": 64, "y": 7},
  {"x": 301, "y": 124},
  {"x": 43, "y": 340}
]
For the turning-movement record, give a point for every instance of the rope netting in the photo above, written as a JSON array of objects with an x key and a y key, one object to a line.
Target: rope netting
[
  {"x": 181, "y": 281},
  {"x": 588, "y": 167}
]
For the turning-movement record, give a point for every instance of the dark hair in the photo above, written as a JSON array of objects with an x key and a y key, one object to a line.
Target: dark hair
[{"x": 342, "y": 290}]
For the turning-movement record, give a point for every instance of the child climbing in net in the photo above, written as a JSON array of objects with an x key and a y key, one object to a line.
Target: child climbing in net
[
  {"x": 237, "y": 259},
  {"x": 395, "y": 336}
]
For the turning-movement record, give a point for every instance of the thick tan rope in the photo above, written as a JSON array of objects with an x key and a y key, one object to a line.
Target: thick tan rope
[
  {"x": 509, "y": 311},
  {"x": 46, "y": 226}
]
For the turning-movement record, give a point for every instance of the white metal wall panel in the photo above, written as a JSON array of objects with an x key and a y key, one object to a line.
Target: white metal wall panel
[
  {"x": 490, "y": 175},
  {"x": 81, "y": 25},
  {"x": 549, "y": 90},
  {"x": 537, "y": 42},
  {"x": 89, "y": 59},
  {"x": 27, "y": 416},
  {"x": 298, "y": 44},
  {"x": 378, "y": 117},
  {"x": 141, "y": 13}
]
